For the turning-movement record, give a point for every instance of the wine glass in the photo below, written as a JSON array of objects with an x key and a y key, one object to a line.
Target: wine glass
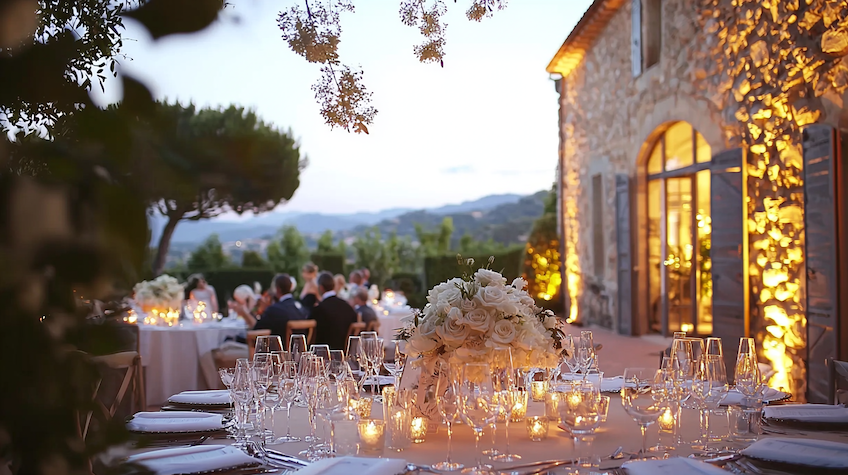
[
  {"x": 638, "y": 401},
  {"x": 273, "y": 396},
  {"x": 503, "y": 379},
  {"x": 747, "y": 375},
  {"x": 477, "y": 406},
  {"x": 332, "y": 405},
  {"x": 336, "y": 365},
  {"x": 717, "y": 371},
  {"x": 260, "y": 377},
  {"x": 713, "y": 346},
  {"x": 569, "y": 354},
  {"x": 297, "y": 345},
  {"x": 395, "y": 365},
  {"x": 448, "y": 406},
  {"x": 688, "y": 352},
  {"x": 353, "y": 349},
  {"x": 312, "y": 376},
  {"x": 708, "y": 388},
  {"x": 242, "y": 393},
  {"x": 585, "y": 352},
  {"x": 371, "y": 354},
  {"x": 268, "y": 344},
  {"x": 288, "y": 392},
  {"x": 323, "y": 352},
  {"x": 579, "y": 410}
]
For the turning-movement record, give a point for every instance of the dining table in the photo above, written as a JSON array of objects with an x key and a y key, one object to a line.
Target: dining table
[
  {"x": 618, "y": 435},
  {"x": 179, "y": 358}
]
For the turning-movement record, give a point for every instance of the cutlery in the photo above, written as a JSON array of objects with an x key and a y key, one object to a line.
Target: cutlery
[{"x": 537, "y": 467}]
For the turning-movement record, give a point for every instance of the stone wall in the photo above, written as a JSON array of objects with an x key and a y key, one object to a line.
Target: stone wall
[{"x": 608, "y": 121}]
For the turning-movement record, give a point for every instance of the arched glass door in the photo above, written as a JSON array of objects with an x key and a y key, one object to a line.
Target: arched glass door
[{"x": 679, "y": 227}]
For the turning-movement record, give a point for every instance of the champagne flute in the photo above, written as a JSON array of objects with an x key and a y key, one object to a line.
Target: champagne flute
[
  {"x": 713, "y": 347},
  {"x": 395, "y": 365},
  {"x": 268, "y": 344},
  {"x": 260, "y": 375},
  {"x": 352, "y": 352},
  {"x": 274, "y": 396},
  {"x": 503, "y": 378},
  {"x": 297, "y": 345},
  {"x": 569, "y": 355},
  {"x": 638, "y": 400},
  {"x": 717, "y": 372},
  {"x": 336, "y": 365},
  {"x": 242, "y": 393},
  {"x": 447, "y": 403},
  {"x": 585, "y": 352},
  {"x": 477, "y": 406},
  {"x": 288, "y": 392}
]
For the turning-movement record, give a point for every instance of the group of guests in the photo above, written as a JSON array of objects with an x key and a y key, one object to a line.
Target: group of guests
[{"x": 329, "y": 300}]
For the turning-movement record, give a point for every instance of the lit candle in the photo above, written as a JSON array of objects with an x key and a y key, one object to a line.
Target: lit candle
[
  {"x": 574, "y": 399},
  {"x": 519, "y": 408},
  {"x": 552, "y": 405},
  {"x": 418, "y": 430},
  {"x": 603, "y": 408},
  {"x": 539, "y": 389},
  {"x": 666, "y": 421},
  {"x": 372, "y": 436},
  {"x": 537, "y": 428}
]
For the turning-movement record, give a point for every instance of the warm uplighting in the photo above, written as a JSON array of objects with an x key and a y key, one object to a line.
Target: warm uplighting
[
  {"x": 167, "y": 318},
  {"x": 537, "y": 428},
  {"x": 687, "y": 327},
  {"x": 418, "y": 431},
  {"x": 543, "y": 258}
]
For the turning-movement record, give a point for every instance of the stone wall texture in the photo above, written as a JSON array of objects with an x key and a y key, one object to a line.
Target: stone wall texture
[{"x": 609, "y": 120}]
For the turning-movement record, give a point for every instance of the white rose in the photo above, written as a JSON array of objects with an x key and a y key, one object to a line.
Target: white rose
[
  {"x": 488, "y": 277},
  {"x": 510, "y": 306},
  {"x": 478, "y": 319},
  {"x": 468, "y": 305},
  {"x": 453, "y": 332},
  {"x": 451, "y": 295},
  {"x": 503, "y": 332},
  {"x": 417, "y": 345},
  {"x": 434, "y": 293},
  {"x": 454, "y": 314},
  {"x": 519, "y": 283},
  {"x": 492, "y": 296},
  {"x": 551, "y": 322}
]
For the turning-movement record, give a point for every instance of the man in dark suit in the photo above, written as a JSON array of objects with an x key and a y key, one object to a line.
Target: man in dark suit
[
  {"x": 360, "y": 305},
  {"x": 333, "y": 315},
  {"x": 277, "y": 316}
]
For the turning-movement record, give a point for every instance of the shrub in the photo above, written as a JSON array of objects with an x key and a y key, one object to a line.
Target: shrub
[
  {"x": 333, "y": 262},
  {"x": 438, "y": 269},
  {"x": 412, "y": 287}
]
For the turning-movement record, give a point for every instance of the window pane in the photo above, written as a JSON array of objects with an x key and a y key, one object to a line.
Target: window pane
[
  {"x": 654, "y": 254},
  {"x": 705, "y": 280},
  {"x": 702, "y": 152},
  {"x": 655, "y": 161},
  {"x": 678, "y": 146},
  {"x": 679, "y": 250}
]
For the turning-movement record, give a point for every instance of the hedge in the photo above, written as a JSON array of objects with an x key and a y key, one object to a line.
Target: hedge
[
  {"x": 438, "y": 269},
  {"x": 330, "y": 262},
  {"x": 412, "y": 287}
]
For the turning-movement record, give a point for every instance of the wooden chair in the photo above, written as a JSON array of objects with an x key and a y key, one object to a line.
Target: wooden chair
[
  {"x": 373, "y": 326},
  {"x": 251, "y": 341},
  {"x": 299, "y": 326},
  {"x": 355, "y": 329},
  {"x": 132, "y": 384},
  {"x": 837, "y": 381}
]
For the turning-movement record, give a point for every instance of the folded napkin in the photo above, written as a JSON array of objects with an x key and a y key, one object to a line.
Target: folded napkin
[
  {"x": 734, "y": 397},
  {"x": 175, "y": 421},
  {"x": 381, "y": 380},
  {"x": 807, "y": 413},
  {"x": 809, "y": 452},
  {"x": 672, "y": 466},
  {"x": 357, "y": 465},
  {"x": 608, "y": 385},
  {"x": 201, "y": 458},
  {"x": 212, "y": 396}
]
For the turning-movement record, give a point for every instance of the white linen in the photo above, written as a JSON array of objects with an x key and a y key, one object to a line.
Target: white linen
[
  {"x": 192, "y": 459},
  {"x": 381, "y": 380},
  {"x": 180, "y": 358},
  {"x": 210, "y": 396},
  {"x": 391, "y": 320},
  {"x": 672, "y": 466},
  {"x": 802, "y": 451},
  {"x": 807, "y": 413},
  {"x": 608, "y": 385},
  {"x": 734, "y": 397},
  {"x": 175, "y": 421},
  {"x": 357, "y": 465}
]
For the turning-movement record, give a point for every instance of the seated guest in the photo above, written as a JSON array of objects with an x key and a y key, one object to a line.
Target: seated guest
[
  {"x": 333, "y": 315},
  {"x": 277, "y": 316},
  {"x": 366, "y": 277},
  {"x": 309, "y": 295},
  {"x": 355, "y": 281},
  {"x": 244, "y": 303},
  {"x": 342, "y": 291},
  {"x": 360, "y": 304}
]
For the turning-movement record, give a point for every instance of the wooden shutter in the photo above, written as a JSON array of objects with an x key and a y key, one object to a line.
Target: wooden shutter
[
  {"x": 728, "y": 268},
  {"x": 624, "y": 309},
  {"x": 636, "y": 37},
  {"x": 825, "y": 253}
]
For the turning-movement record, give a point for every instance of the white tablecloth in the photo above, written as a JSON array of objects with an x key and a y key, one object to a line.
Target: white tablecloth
[
  {"x": 390, "y": 321},
  {"x": 180, "y": 358}
]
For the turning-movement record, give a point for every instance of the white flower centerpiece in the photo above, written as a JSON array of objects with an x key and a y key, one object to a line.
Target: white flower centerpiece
[
  {"x": 465, "y": 318},
  {"x": 163, "y": 293}
]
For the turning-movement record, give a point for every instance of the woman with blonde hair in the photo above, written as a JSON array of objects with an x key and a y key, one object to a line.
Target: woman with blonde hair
[
  {"x": 309, "y": 296},
  {"x": 341, "y": 287},
  {"x": 244, "y": 302}
]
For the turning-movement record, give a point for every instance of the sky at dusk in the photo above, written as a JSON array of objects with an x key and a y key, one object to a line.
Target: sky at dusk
[{"x": 486, "y": 123}]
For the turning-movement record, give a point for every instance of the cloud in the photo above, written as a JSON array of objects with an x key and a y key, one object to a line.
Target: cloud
[{"x": 458, "y": 169}]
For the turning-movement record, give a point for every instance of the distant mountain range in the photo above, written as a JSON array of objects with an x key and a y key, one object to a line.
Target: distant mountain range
[{"x": 483, "y": 218}]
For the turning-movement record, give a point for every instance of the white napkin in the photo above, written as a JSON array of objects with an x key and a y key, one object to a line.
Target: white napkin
[
  {"x": 807, "y": 413},
  {"x": 672, "y": 466},
  {"x": 381, "y": 380},
  {"x": 213, "y": 396},
  {"x": 357, "y": 465},
  {"x": 192, "y": 459},
  {"x": 175, "y": 421},
  {"x": 810, "y": 452},
  {"x": 734, "y": 397},
  {"x": 608, "y": 385}
]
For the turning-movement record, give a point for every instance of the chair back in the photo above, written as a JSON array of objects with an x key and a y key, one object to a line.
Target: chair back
[
  {"x": 300, "y": 326},
  {"x": 355, "y": 329},
  {"x": 837, "y": 381},
  {"x": 251, "y": 341},
  {"x": 373, "y": 326},
  {"x": 132, "y": 384}
]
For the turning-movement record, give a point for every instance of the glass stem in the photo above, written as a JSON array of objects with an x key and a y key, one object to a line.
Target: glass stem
[
  {"x": 270, "y": 437},
  {"x": 644, "y": 430},
  {"x": 288, "y": 418},
  {"x": 494, "y": 433},
  {"x": 450, "y": 436},
  {"x": 477, "y": 434},
  {"x": 332, "y": 439},
  {"x": 705, "y": 426},
  {"x": 507, "y": 433}
]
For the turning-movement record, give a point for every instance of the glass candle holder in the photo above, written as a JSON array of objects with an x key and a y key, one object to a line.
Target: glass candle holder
[
  {"x": 372, "y": 436},
  {"x": 399, "y": 428},
  {"x": 519, "y": 409},
  {"x": 538, "y": 389},
  {"x": 346, "y": 433},
  {"x": 362, "y": 407},
  {"x": 603, "y": 408},
  {"x": 537, "y": 428},
  {"x": 666, "y": 421},
  {"x": 418, "y": 430},
  {"x": 552, "y": 400}
]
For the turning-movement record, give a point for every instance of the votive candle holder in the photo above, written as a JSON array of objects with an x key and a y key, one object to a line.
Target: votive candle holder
[
  {"x": 418, "y": 430},
  {"x": 362, "y": 407},
  {"x": 538, "y": 389},
  {"x": 537, "y": 428},
  {"x": 552, "y": 402},
  {"x": 372, "y": 436},
  {"x": 519, "y": 407},
  {"x": 603, "y": 408}
]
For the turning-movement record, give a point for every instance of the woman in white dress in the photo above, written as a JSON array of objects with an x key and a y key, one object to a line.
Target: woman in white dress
[{"x": 203, "y": 292}]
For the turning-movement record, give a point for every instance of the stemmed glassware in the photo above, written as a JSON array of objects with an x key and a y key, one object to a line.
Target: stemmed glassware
[
  {"x": 297, "y": 346},
  {"x": 287, "y": 386},
  {"x": 638, "y": 400},
  {"x": 580, "y": 412},
  {"x": 569, "y": 355},
  {"x": 708, "y": 388},
  {"x": 313, "y": 379},
  {"x": 332, "y": 405},
  {"x": 447, "y": 403},
  {"x": 371, "y": 352},
  {"x": 395, "y": 365},
  {"x": 747, "y": 372},
  {"x": 585, "y": 352},
  {"x": 268, "y": 344},
  {"x": 503, "y": 378},
  {"x": 336, "y": 365},
  {"x": 261, "y": 376},
  {"x": 477, "y": 406},
  {"x": 273, "y": 396},
  {"x": 353, "y": 352},
  {"x": 242, "y": 393}
]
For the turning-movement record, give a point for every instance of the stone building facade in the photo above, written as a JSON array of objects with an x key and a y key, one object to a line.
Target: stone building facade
[{"x": 656, "y": 228}]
